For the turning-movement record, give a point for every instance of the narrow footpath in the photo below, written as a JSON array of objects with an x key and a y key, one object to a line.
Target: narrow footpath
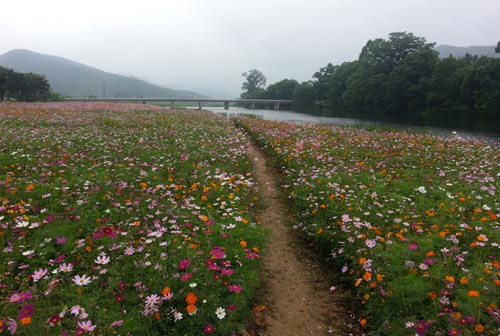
[{"x": 295, "y": 295}]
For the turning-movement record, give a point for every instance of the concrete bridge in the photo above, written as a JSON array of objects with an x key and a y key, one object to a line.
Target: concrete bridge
[{"x": 274, "y": 102}]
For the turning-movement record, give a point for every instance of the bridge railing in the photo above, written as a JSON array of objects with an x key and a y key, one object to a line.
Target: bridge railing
[{"x": 275, "y": 102}]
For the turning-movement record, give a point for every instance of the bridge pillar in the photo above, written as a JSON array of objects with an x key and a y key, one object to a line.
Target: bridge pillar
[
  {"x": 199, "y": 105},
  {"x": 252, "y": 106},
  {"x": 226, "y": 105},
  {"x": 277, "y": 106}
]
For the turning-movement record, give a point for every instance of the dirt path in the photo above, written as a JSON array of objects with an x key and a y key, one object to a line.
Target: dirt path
[{"x": 294, "y": 290}]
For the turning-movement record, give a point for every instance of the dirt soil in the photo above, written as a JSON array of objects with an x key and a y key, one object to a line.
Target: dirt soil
[{"x": 295, "y": 295}]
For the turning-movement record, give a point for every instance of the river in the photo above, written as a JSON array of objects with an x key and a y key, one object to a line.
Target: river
[
  {"x": 290, "y": 116},
  {"x": 303, "y": 117}
]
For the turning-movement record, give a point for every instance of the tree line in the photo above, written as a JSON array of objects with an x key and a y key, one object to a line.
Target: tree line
[
  {"x": 400, "y": 79},
  {"x": 20, "y": 86}
]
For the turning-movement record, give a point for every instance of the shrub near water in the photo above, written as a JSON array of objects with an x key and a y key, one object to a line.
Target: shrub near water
[
  {"x": 410, "y": 221},
  {"x": 115, "y": 220}
]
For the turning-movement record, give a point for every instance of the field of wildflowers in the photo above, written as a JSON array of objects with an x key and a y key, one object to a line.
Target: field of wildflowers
[
  {"x": 124, "y": 219},
  {"x": 410, "y": 221}
]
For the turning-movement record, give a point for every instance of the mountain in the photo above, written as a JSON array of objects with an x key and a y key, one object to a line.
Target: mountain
[
  {"x": 78, "y": 80},
  {"x": 209, "y": 91},
  {"x": 447, "y": 50}
]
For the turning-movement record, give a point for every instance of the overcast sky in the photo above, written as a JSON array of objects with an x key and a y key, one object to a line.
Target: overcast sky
[{"x": 210, "y": 43}]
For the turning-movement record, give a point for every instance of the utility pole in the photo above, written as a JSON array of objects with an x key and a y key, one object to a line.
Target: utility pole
[{"x": 103, "y": 90}]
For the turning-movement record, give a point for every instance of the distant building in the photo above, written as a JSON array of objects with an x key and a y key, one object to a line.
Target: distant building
[{"x": 497, "y": 49}]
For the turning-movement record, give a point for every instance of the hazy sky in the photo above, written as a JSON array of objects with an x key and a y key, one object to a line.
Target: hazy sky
[{"x": 211, "y": 43}]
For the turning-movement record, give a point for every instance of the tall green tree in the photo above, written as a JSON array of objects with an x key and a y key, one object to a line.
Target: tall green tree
[
  {"x": 381, "y": 55},
  {"x": 23, "y": 86},
  {"x": 254, "y": 79}
]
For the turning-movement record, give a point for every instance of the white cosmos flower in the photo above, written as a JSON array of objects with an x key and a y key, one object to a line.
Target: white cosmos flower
[
  {"x": 421, "y": 189},
  {"x": 29, "y": 252},
  {"x": 83, "y": 280},
  {"x": 220, "y": 312},
  {"x": 102, "y": 259}
]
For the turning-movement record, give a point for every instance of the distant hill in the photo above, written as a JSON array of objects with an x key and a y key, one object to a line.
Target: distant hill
[
  {"x": 447, "y": 50},
  {"x": 75, "y": 79}
]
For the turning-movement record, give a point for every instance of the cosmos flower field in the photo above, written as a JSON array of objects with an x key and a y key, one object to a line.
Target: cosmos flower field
[
  {"x": 409, "y": 221},
  {"x": 124, "y": 219}
]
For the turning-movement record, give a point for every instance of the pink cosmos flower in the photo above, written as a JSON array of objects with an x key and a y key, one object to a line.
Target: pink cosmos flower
[
  {"x": 235, "y": 288},
  {"x": 218, "y": 253},
  {"x": 12, "y": 326},
  {"x": 184, "y": 263},
  {"x": 227, "y": 271},
  {"x": 371, "y": 243},
  {"x": 118, "y": 323},
  {"x": 413, "y": 246},
  {"x": 87, "y": 326},
  {"x": 209, "y": 329},
  {"x": 20, "y": 297},
  {"x": 153, "y": 300},
  {"x": 65, "y": 267},
  {"x": 26, "y": 311},
  {"x": 39, "y": 274},
  {"x": 186, "y": 277}
]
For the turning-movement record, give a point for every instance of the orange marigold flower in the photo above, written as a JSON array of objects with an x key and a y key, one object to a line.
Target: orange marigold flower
[
  {"x": 479, "y": 328},
  {"x": 464, "y": 280},
  {"x": 191, "y": 298},
  {"x": 367, "y": 276},
  {"x": 432, "y": 295},
  {"x": 473, "y": 293},
  {"x": 243, "y": 243},
  {"x": 450, "y": 278},
  {"x": 26, "y": 320},
  {"x": 363, "y": 322},
  {"x": 482, "y": 237},
  {"x": 166, "y": 290},
  {"x": 191, "y": 309}
]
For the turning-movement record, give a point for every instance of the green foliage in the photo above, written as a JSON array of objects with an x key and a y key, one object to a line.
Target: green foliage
[
  {"x": 281, "y": 90},
  {"x": 23, "y": 86},
  {"x": 303, "y": 96},
  {"x": 402, "y": 79},
  {"x": 254, "y": 80}
]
